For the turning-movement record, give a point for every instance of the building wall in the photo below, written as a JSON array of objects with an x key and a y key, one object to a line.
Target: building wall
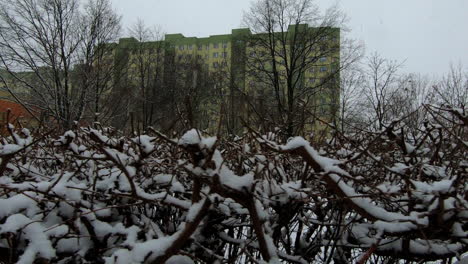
[
  {"x": 17, "y": 114},
  {"x": 227, "y": 54}
]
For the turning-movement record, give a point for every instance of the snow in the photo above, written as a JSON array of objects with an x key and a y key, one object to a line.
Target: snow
[
  {"x": 462, "y": 261},
  {"x": 121, "y": 256},
  {"x": 102, "y": 137},
  {"x": 224, "y": 209},
  {"x": 194, "y": 137},
  {"x": 177, "y": 187},
  {"x": 409, "y": 148},
  {"x": 163, "y": 178},
  {"x": 163, "y": 197},
  {"x": 194, "y": 210},
  {"x": 434, "y": 171},
  {"x": 229, "y": 179},
  {"x": 9, "y": 149},
  {"x": 70, "y": 134},
  {"x": 327, "y": 164},
  {"x": 191, "y": 137},
  {"x": 155, "y": 246},
  {"x": 18, "y": 203},
  {"x": 286, "y": 192},
  {"x": 457, "y": 231},
  {"x": 387, "y": 187},
  {"x": 39, "y": 243},
  {"x": 422, "y": 246},
  {"x": 376, "y": 211},
  {"x": 396, "y": 227},
  {"x": 45, "y": 199},
  {"x": 271, "y": 250},
  {"x": 179, "y": 259},
  {"x": 442, "y": 186},
  {"x": 145, "y": 142},
  {"x": 118, "y": 156},
  {"x": 208, "y": 142},
  {"x": 399, "y": 168},
  {"x": 246, "y": 149}
]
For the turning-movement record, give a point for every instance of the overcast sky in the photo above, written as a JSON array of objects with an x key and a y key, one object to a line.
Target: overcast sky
[{"x": 427, "y": 34}]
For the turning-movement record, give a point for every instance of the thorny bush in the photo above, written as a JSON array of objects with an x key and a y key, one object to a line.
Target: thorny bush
[{"x": 93, "y": 196}]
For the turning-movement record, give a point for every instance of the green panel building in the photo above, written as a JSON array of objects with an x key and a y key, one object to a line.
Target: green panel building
[{"x": 235, "y": 61}]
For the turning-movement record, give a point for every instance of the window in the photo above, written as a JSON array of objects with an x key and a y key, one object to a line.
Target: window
[
  {"x": 215, "y": 64},
  {"x": 199, "y": 56},
  {"x": 181, "y": 47},
  {"x": 224, "y": 44},
  {"x": 180, "y": 57},
  {"x": 224, "y": 54},
  {"x": 207, "y": 56},
  {"x": 189, "y": 56},
  {"x": 190, "y": 46},
  {"x": 215, "y": 45},
  {"x": 311, "y": 80},
  {"x": 252, "y": 54},
  {"x": 207, "y": 47},
  {"x": 200, "y": 47},
  {"x": 312, "y": 70},
  {"x": 215, "y": 54},
  {"x": 323, "y": 69},
  {"x": 224, "y": 64},
  {"x": 323, "y": 59}
]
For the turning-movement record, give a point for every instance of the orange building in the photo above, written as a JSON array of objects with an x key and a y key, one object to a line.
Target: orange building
[{"x": 17, "y": 113}]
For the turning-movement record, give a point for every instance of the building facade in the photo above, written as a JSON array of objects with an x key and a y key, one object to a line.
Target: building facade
[{"x": 249, "y": 76}]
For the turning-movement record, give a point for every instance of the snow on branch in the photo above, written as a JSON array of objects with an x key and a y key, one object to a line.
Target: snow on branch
[{"x": 87, "y": 195}]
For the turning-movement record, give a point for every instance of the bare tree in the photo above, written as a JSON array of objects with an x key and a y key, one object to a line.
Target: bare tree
[
  {"x": 351, "y": 92},
  {"x": 145, "y": 72},
  {"x": 97, "y": 69},
  {"x": 408, "y": 102},
  {"x": 284, "y": 49},
  {"x": 380, "y": 88},
  {"x": 189, "y": 94},
  {"x": 352, "y": 79},
  {"x": 453, "y": 88},
  {"x": 45, "y": 40}
]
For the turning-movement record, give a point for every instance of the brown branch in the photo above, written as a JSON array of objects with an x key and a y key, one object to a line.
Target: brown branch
[{"x": 185, "y": 234}]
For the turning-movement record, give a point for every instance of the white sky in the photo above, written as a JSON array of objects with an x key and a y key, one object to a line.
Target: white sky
[{"x": 428, "y": 34}]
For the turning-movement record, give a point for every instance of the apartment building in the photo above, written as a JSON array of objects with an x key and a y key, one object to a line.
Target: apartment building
[{"x": 249, "y": 66}]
